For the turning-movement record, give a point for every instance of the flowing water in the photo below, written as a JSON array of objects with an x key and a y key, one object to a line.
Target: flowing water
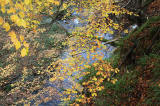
[{"x": 70, "y": 25}]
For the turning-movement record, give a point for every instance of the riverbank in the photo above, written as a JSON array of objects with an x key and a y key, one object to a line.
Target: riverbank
[{"x": 138, "y": 81}]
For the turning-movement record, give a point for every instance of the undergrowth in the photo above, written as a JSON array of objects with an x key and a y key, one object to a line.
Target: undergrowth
[{"x": 138, "y": 82}]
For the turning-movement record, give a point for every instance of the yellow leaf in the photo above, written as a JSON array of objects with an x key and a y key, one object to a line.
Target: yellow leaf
[
  {"x": 19, "y": 6},
  {"x": 52, "y": 79},
  {"x": 76, "y": 104},
  {"x": 27, "y": 104},
  {"x": 84, "y": 83},
  {"x": 11, "y": 10},
  {"x": 27, "y": 2},
  {"x": 94, "y": 78},
  {"x": 26, "y": 44},
  {"x": 18, "y": 21},
  {"x": 24, "y": 52},
  {"x": 64, "y": 5},
  {"x": 56, "y": 2},
  {"x": 14, "y": 18},
  {"x": 3, "y": 9},
  {"x": 61, "y": 78},
  {"x": 99, "y": 88},
  {"x": 111, "y": 32},
  {"x": 6, "y": 26},
  {"x": 114, "y": 81},
  {"x": 50, "y": 13},
  {"x": 12, "y": 34},
  {"x": 1, "y": 20},
  {"x": 17, "y": 44},
  {"x": 21, "y": 14},
  {"x": 22, "y": 23},
  {"x": 21, "y": 38},
  {"x": 98, "y": 73},
  {"x": 126, "y": 31},
  {"x": 94, "y": 94},
  {"x": 6, "y": 1}
]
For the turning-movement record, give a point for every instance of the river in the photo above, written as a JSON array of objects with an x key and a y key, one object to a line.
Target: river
[{"x": 66, "y": 57}]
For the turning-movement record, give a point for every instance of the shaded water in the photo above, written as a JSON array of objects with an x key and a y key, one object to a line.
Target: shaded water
[{"x": 70, "y": 25}]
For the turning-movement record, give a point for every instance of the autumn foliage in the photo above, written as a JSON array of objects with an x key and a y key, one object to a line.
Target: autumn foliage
[{"x": 93, "y": 78}]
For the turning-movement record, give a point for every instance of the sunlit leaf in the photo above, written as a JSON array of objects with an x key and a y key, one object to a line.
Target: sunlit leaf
[
  {"x": 12, "y": 34},
  {"x": 126, "y": 31},
  {"x": 25, "y": 44},
  {"x": 24, "y": 52},
  {"x": 21, "y": 14},
  {"x": 3, "y": 9},
  {"x": 1, "y": 20},
  {"x": 11, "y": 10},
  {"x": 27, "y": 2},
  {"x": 21, "y": 38},
  {"x": 6, "y": 26},
  {"x": 17, "y": 44},
  {"x": 14, "y": 18}
]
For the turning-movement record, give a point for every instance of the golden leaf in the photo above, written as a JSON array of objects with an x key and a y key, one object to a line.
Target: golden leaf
[
  {"x": 19, "y": 6},
  {"x": 22, "y": 23},
  {"x": 126, "y": 31},
  {"x": 11, "y": 10},
  {"x": 15, "y": 41},
  {"x": 6, "y": 1},
  {"x": 21, "y": 38},
  {"x": 24, "y": 52},
  {"x": 3, "y": 9},
  {"x": 1, "y": 20},
  {"x": 52, "y": 79},
  {"x": 14, "y": 18},
  {"x": 26, "y": 44},
  {"x": 12, "y": 34},
  {"x": 27, "y": 2},
  {"x": 21, "y": 14},
  {"x": 94, "y": 94},
  {"x": 6, "y": 26},
  {"x": 17, "y": 44},
  {"x": 114, "y": 81}
]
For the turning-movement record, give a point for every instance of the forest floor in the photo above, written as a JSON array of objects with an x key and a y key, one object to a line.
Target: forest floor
[{"x": 45, "y": 48}]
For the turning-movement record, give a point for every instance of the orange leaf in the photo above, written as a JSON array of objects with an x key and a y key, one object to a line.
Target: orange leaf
[{"x": 1, "y": 20}]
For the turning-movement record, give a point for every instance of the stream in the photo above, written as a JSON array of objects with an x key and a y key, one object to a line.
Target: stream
[{"x": 70, "y": 25}]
